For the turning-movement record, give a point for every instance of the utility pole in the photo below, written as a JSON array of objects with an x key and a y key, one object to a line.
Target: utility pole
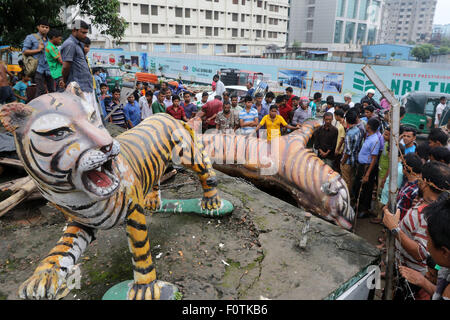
[{"x": 393, "y": 171}]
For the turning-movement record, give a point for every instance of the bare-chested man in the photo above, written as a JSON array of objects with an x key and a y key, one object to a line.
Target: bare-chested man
[{"x": 6, "y": 92}]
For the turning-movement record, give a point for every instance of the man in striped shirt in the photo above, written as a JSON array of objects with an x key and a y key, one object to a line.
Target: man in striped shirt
[
  {"x": 118, "y": 116},
  {"x": 248, "y": 117},
  {"x": 411, "y": 242}
]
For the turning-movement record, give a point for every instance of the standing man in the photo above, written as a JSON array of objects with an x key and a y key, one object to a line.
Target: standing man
[
  {"x": 274, "y": 122},
  {"x": 190, "y": 109},
  {"x": 348, "y": 100},
  {"x": 313, "y": 105},
  {"x": 6, "y": 92},
  {"x": 302, "y": 113},
  {"x": 251, "y": 90},
  {"x": 366, "y": 171},
  {"x": 325, "y": 139},
  {"x": 132, "y": 112},
  {"x": 439, "y": 110},
  {"x": 75, "y": 65},
  {"x": 352, "y": 144},
  {"x": 209, "y": 113},
  {"x": 168, "y": 98},
  {"x": 370, "y": 100},
  {"x": 283, "y": 108},
  {"x": 176, "y": 110},
  {"x": 158, "y": 106},
  {"x": 227, "y": 120},
  {"x": 144, "y": 103},
  {"x": 226, "y": 97},
  {"x": 235, "y": 107},
  {"x": 262, "y": 111},
  {"x": 34, "y": 45},
  {"x": 409, "y": 140},
  {"x": 118, "y": 116},
  {"x": 203, "y": 101},
  {"x": 248, "y": 118},
  {"x": 54, "y": 58},
  {"x": 104, "y": 98},
  {"x": 220, "y": 87},
  {"x": 268, "y": 100},
  {"x": 289, "y": 97}
]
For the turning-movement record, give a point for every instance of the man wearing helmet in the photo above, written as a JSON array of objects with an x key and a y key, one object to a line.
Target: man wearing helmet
[
  {"x": 348, "y": 100},
  {"x": 369, "y": 99}
]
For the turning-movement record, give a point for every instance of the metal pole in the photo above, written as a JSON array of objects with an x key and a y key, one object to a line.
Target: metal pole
[{"x": 393, "y": 172}]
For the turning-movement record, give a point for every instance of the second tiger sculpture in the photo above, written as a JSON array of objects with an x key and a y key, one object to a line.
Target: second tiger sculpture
[
  {"x": 291, "y": 166},
  {"x": 99, "y": 182}
]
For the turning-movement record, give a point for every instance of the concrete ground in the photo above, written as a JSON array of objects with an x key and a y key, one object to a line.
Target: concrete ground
[{"x": 252, "y": 254}]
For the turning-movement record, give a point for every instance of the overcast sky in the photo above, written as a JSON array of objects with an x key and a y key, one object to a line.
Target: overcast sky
[{"x": 442, "y": 12}]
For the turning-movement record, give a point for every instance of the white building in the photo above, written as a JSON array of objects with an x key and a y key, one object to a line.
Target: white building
[
  {"x": 407, "y": 21},
  {"x": 335, "y": 25},
  {"x": 207, "y": 27}
]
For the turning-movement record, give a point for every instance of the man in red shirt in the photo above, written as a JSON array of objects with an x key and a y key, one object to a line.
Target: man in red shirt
[
  {"x": 289, "y": 96},
  {"x": 283, "y": 108},
  {"x": 176, "y": 110},
  {"x": 209, "y": 113}
]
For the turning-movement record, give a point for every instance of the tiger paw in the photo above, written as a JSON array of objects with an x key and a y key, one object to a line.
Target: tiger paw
[
  {"x": 49, "y": 284},
  {"x": 153, "y": 201},
  {"x": 156, "y": 290},
  {"x": 212, "y": 203}
]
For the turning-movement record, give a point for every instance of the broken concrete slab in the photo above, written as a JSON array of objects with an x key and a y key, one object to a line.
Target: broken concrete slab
[{"x": 252, "y": 253}]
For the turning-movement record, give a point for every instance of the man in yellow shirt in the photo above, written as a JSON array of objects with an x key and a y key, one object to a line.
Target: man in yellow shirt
[{"x": 273, "y": 123}]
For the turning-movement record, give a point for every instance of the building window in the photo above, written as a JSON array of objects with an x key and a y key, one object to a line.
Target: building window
[
  {"x": 187, "y": 13},
  {"x": 309, "y": 25},
  {"x": 154, "y": 10},
  {"x": 309, "y": 37},
  {"x": 338, "y": 31},
  {"x": 349, "y": 32},
  {"x": 234, "y": 17},
  {"x": 231, "y": 48},
  {"x": 352, "y": 9},
  {"x": 145, "y": 28},
  {"x": 154, "y": 28},
  {"x": 258, "y": 19},
  {"x": 234, "y": 32},
  {"x": 216, "y": 32},
  {"x": 144, "y": 9},
  {"x": 242, "y": 17},
  {"x": 341, "y": 8},
  {"x": 216, "y": 15},
  {"x": 361, "y": 33},
  {"x": 208, "y": 31},
  {"x": 178, "y": 29},
  {"x": 179, "y": 12},
  {"x": 208, "y": 14},
  {"x": 311, "y": 12},
  {"x": 372, "y": 35},
  {"x": 242, "y": 33},
  {"x": 363, "y": 9}
]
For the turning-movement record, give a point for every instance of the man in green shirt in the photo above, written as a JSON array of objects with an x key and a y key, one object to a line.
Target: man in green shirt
[
  {"x": 158, "y": 106},
  {"x": 54, "y": 58}
]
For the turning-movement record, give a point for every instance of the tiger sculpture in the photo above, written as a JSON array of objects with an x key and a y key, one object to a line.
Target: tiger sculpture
[
  {"x": 99, "y": 182},
  {"x": 298, "y": 170}
]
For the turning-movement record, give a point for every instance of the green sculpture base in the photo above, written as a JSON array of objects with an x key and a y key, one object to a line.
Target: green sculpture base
[
  {"x": 120, "y": 291},
  {"x": 194, "y": 206}
]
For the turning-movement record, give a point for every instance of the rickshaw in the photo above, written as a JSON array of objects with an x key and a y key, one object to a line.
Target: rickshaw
[{"x": 421, "y": 110}]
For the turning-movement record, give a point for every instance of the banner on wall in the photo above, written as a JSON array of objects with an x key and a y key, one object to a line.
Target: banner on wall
[{"x": 303, "y": 76}]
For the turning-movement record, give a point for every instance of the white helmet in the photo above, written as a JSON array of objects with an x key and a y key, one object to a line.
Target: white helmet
[
  {"x": 370, "y": 91},
  {"x": 348, "y": 95}
]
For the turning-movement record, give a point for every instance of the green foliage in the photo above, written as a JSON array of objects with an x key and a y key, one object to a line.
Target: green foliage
[
  {"x": 19, "y": 17},
  {"x": 445, "y": 42},
  {"x": 423, "y": 52},
  {"x": 296, "y": 44},
  {"x": 444, "y": 50}
]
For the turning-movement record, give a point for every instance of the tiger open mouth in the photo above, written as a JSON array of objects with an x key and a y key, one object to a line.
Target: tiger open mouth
[{"x": 101, "y": 181}]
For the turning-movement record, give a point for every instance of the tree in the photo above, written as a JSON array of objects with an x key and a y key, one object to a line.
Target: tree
[
  {"x": 423, "y": 52},
  {"x": 444, "y": 50},
  {"x": 296, "y": 45},
  {"x": 19, "y": 17}
]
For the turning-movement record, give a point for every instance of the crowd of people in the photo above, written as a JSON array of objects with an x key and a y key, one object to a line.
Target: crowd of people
[{"x": 49, "y": 64}]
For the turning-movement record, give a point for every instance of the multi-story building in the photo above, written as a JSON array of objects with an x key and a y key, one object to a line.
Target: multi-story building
[
  {"x": 408, "y": 21},
  {"x": 441, "y": 31},
  {"x": 210, "y": 27},
  {"x": 335, "y": 21}
]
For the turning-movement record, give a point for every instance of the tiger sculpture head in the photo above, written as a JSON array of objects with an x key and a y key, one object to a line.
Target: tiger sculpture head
[{"x": 64, "y": 147}]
